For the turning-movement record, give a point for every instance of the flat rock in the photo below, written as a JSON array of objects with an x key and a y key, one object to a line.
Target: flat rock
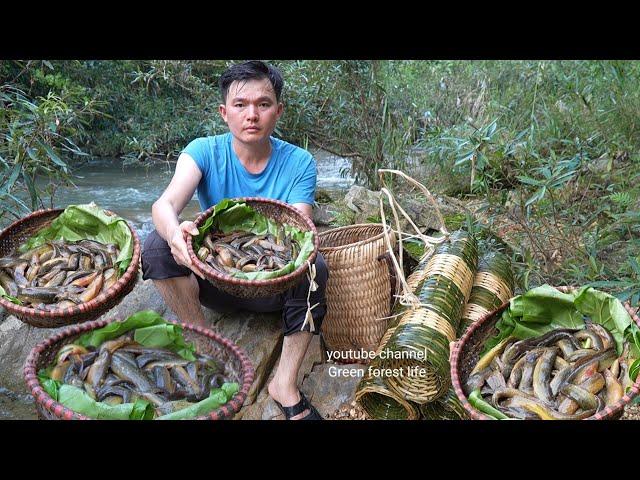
[
  {"x": 16, "y": 341},
  {"x": 328, "y": 388},
  {"x": 144, "y": 296},
  {"x": 259, "y": 334},
  {"x": 264, "y": 408},
  {"x": 323, "y": 215}
]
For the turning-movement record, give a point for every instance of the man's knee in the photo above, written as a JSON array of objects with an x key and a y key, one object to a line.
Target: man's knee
[{"x": 157, "y": 260}]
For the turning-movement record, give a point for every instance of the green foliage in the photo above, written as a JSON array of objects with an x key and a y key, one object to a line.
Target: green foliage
[
  {"x": 37, "y": 139},
  {"x": 552, "y": 146}
]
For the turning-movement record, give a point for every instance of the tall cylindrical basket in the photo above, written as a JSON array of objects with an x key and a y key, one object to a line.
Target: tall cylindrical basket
[{"x": 359, "y": 291}]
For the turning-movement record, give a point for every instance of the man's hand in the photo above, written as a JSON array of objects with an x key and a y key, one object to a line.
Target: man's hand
[{"x": 178, "y": 244}]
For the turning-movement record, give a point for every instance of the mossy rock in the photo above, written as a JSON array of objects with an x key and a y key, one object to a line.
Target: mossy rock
[
  {"x": 454, "y": 221},
  {"x": 344, "y": 216},
  {"x": 323, "y": 196}
]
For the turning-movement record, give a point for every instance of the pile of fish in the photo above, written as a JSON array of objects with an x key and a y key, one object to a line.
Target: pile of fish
[
  {"x": 60, "y": 274},
  {"x": 565, "y": 374},
  {"x": 241, "y": 251},
  {"x": 122, "y": 370}
]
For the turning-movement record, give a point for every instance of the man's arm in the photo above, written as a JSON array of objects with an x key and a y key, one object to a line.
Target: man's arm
[
  {"x": 305, "y": 208},
  {"x": 166, "y": 209}
]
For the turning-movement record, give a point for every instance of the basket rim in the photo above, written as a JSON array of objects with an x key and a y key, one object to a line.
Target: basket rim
[
  {"x": 81, "y": 308},
  {"x": 604, "y": 414},
  {"x": 359, "y": 243},
  {"x": 210, "y": 273},
  {"x": 43, "y": 399}
]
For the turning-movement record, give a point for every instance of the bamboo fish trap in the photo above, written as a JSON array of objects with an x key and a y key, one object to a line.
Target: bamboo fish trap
[
  {"x": 423, "y": 333},
  {"x": 492, "y": 286},
  {"x": 374, "y": 396},
  {"x": 448, "y": 407}
]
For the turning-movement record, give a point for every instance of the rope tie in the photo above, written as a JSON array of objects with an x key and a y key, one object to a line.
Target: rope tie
[
  {"x": 408, "y": 298},
  {"x": 313, "y": 286}
]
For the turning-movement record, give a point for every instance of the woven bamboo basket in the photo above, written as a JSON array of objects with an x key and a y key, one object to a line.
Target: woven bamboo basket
[
  {"x": 492, "y": 286},
  {"x": 428, "y": 329},
  {"x": 279, "y": 212},
  {"x": 376, "y": 398},
  {"x": 20, "y": 231},
  {"x": 206, "y": 341},
  {"x": 360, "y": 287},
  {"x": 466, "y": 353},
  {"x": 448, "y": 407},
  {"x": 382, "y": 403}
]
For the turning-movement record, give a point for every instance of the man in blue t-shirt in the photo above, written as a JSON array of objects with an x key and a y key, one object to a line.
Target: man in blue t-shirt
[{"x": 246, "y": 162}]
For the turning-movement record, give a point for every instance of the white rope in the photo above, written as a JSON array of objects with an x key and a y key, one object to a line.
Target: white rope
[
  {"x": 313, "y": 286},
  {"x": 408, "y": 297}
]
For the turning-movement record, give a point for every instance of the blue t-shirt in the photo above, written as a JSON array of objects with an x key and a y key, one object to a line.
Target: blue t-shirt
[{"x": 290, "y": 173}]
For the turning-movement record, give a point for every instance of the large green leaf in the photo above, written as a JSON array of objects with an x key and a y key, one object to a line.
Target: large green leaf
[
  {"x": 151, "y": 330},
  {"x": 217, "y": 397},
  {"x": 79, "y": 401}
]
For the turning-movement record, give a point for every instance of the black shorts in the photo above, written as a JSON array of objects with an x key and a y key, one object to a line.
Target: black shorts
[{"x": 158, "y": 264}]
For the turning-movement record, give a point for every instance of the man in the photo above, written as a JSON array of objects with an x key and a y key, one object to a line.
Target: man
[{"x": 246, "y": 162}]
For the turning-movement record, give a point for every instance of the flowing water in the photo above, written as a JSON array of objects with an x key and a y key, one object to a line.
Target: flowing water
[{"x": 130, "y": 191}]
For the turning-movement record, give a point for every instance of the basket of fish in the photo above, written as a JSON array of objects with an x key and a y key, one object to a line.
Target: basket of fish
[
  {"x": 141, "y": 368},
  {"x": 59, "y": 267},
  {"x": 550, "y": 354},
  {"x": 253, "y": 247}
]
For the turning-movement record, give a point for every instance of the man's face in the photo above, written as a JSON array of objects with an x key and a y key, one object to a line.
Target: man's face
[{"x": 251, "y": 110}]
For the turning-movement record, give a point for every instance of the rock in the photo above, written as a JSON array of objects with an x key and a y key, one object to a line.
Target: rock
[
  {"x": 602, "y": 164},
  {"x": 423, "y": 214},
  {"x": 365, "y": 203},
  {"x": 325, "y": 392},
  {"x": 17, "y": 406},
  {"x": 264, "y": 407},
  {"x": 144, "y": 296},
  {"x": 323, "y": 196},
  {"x": 259, "y": 334},
  {"x": 328, "y": 389},
  {"x": 323, "y": 215},
  {"x": 16, "y": 341}
]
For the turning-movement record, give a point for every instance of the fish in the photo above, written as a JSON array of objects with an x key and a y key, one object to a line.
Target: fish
[
  {"x": 131, "y": 373},
  {"x": 100, "y": 367},
  {"x": 585, "y": 399},
  {"x": 601, "y": 360},
  {"x": 591, "y": 336},
  {"x": 7, "y": 283},
  {"x": 559, "y": 379},
  {"x": 607, "y": 339},
  {"x": 542, "y": 375},
  {"x": 613, "y": 388},
  {"x": 73, "y": 268},
  {"x": 114, "y": 390},
  {"x": 240, "y": 251},
  {"x": 183, "y": 378},
  {"x": 163, "y": 380},
  {"x": 486, "y": 359}
]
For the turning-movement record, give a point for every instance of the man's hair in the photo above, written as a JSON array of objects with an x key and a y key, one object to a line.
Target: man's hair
[{"x": 251, "y": 70}]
